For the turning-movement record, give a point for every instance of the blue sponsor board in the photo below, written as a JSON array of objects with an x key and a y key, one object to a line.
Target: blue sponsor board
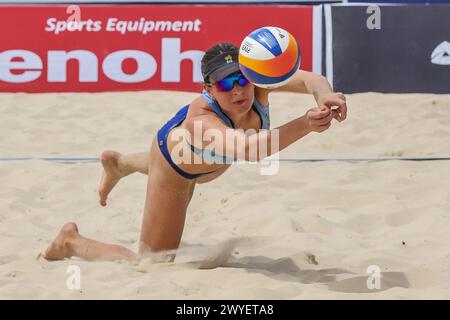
[
  {"x": 400, "y": 1},
  {"x": 388, "y": 48}
]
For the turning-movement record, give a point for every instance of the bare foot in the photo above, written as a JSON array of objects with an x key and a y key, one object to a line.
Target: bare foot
[
  {"x": 59, "y": 248},
  {"x": 111, "y": 174}
]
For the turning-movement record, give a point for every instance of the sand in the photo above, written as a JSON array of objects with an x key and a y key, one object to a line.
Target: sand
[{"x": 309, "y": 232}]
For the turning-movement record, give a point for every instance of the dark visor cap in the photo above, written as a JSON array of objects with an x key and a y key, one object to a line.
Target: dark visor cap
[{"x": 221, "y": 66}]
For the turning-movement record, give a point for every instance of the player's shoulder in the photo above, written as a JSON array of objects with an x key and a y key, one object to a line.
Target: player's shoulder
[
  {"x": 199, "y": 110},
  {"x": 262, "y": 95},
  {"x": 199, "y": 102},
  {"x": 198, "y": 107}
]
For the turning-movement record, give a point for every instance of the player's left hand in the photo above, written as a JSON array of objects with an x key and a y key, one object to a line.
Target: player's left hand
[{"x": 336, "y": 102}]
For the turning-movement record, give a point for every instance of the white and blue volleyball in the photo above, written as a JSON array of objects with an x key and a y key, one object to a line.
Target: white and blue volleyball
[{"x": 269, "y": 57}]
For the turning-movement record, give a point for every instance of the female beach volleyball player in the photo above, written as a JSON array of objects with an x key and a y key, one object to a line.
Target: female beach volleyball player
[{"x": 228, "y": 102}]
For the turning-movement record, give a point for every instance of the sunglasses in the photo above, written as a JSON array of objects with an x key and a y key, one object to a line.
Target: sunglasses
[{"x": 227, "y": 84}]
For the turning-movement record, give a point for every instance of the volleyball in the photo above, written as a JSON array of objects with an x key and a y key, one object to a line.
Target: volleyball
[{"x": 269, "y": 57}]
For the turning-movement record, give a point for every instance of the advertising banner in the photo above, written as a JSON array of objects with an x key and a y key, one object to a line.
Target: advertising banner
[{"x": 90, "y": 48}]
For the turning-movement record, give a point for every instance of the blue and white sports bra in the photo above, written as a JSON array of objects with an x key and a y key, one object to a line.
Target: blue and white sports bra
[{"x": 163, "y": 133}]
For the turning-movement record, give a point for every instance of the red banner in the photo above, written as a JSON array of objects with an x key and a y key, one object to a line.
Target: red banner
[{"x": 95, "y": 48}]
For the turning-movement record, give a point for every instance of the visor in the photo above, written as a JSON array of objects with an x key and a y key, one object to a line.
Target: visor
[{"x": 221, "y": 66}]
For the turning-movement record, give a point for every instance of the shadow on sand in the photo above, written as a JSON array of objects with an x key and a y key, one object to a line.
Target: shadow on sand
[{"x": 287, "y": 270}]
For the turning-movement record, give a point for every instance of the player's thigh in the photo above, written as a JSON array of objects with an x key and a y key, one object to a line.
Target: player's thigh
[{"x": 167, "y": 198}]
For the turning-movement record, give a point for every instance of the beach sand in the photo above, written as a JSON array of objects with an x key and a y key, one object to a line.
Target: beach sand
[{"x": 309, "y": 232}]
